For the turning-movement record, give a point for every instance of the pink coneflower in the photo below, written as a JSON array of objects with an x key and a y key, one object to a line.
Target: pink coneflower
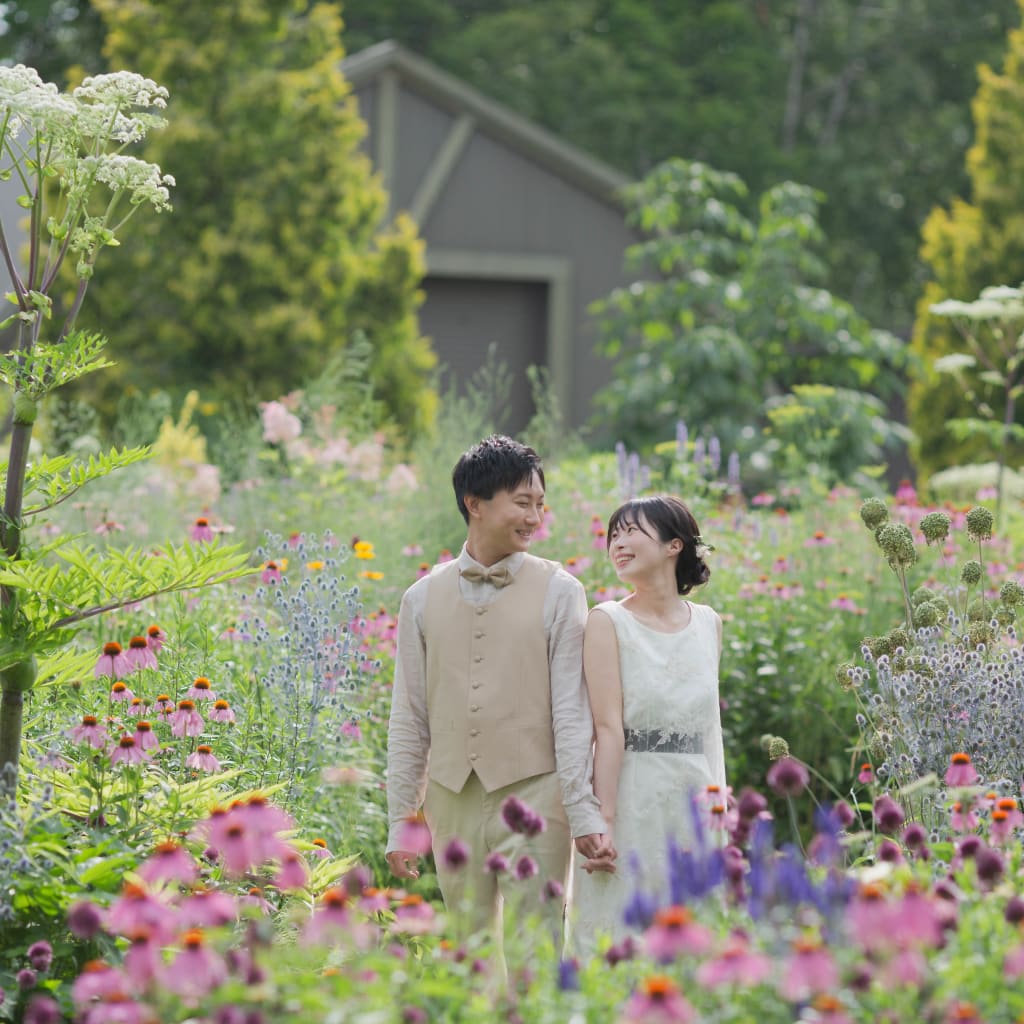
[
  {"x": 735, "y": 965},
  {"x": 414, "y": 836},
  {"x": 658, "y": 1001},
  {"x": 600, "y": 541},
  {"x": 809, "y": 970},
  {"x": 962, "y": 817},
  {"x": 818, "y": 540},
  {"x": 331, "y": 919},
  {"x": 145, "y": 738},
  {"x": 186, "y": 721},
  {"x": 351, "y": 730},
  {"x": 236, "y": 636},
  {"x": 960, "y": 771},
  {"x": 271, "y": 573},
  {"x": 128, "y": 751},
  {"x": 577, "y": 566},
  {"x": 196, "y": 970},
  {"x": 373, "y": 900},
  {"x": 137, "y": 908},
  {"x": 136, "y": 707},
  {"x": 762, "y": 500},
  {"x": 169, "y": 862},
  {"x": 866, "y": 775},
  {"x": 206, "y": 908},
  {"x": 142, "y": 962},
  {"x": 201, "y": 689},
  {"x": 845, "y": 603},
  {"x": 293, "y": 873},
  {"x": 320, "y": 850},
  {"x": 221, "y": 712},
  {"x": 163, "y": 704},
  {"x": 140, "y": 654},
  {"x": 412, "y": 550},
  {"x": 413, "y": 915},
  {"x": 201, "y": 530},
  {"x": 97, "y": 981},
  {"x": 673, "y": 932},
  {"x": 90, "y": 731},
  {"x": 788, "y": 776},
  {"x": 423, "y": 569},
  {"x": 155, "y": 637},
  {"x": 829, "y": 1010},
  {"x": 1013, "y": 964},
  {"x": 870, "y": 916},
  {"x": 109, "y": 526},
  {"x": 112, "y": 661},
  {"x": 202, "y": 759},
  {"x": 119, "y": 692},
  {"x": 255, "y": 898}
]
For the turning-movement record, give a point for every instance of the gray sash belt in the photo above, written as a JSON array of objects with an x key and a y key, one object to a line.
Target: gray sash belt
[{"x": 658, "y": 741}]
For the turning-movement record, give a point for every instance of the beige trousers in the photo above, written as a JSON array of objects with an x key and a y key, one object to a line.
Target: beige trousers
[{"x": 477, "y": 899}]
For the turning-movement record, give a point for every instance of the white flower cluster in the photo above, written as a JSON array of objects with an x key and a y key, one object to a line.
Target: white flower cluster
[
  {"x": 122, "y": 88},
  {"x": 703, "y": 550},
  {"x": 29, "y": 103}
]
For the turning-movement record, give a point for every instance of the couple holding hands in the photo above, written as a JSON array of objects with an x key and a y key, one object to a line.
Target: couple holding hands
[{"x": 605, "y": 724}]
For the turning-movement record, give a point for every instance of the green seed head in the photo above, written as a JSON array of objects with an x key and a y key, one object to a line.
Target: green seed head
[
  {"x": 874, "y": 512},
  {"x": 979, "y": 523}
]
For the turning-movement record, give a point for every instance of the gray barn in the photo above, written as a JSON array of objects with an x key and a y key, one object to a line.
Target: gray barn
[{"x": 522, "y": 230}]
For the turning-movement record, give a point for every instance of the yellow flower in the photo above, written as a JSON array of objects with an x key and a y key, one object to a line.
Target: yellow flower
[
  {"x": 369, "y": 574},
  {"x": 363, "y": 549},
  {"x": 315, "y": 564}
]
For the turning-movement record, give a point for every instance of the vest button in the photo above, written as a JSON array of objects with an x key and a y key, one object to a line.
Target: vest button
[
  {"x": 474, "y": 732},
  {"x": 478, "y": 658},
  {"x": 476, "y": 686},
  {"x": 474, "y": 707},
  {"x": 479, "y": 634},
  {"x": 473, "y": 757},
  {"x": 481, "y": 611}
]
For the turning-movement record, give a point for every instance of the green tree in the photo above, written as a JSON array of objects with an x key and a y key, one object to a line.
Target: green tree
[
  {"x": 968, "y": 246},
  {"x": 278, "y": 257},
  {"x": 729, "y": 315}
]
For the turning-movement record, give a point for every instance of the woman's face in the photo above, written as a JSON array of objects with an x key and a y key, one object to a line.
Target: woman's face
[{"x": 636, "y": 550}]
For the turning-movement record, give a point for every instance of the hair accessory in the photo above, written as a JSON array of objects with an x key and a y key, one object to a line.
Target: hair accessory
[{"x": 703, "y": 550}]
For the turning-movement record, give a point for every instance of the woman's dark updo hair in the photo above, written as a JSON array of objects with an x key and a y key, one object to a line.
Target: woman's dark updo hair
[{"x": 673, "y": 521}]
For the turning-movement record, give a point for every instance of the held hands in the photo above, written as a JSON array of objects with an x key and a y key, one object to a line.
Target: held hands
[
  {"x": 403, "y": 864},
  {"x": 599, "y": 849}
]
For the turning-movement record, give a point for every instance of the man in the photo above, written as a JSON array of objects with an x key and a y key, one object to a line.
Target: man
[{"x": 489, "y": 700}]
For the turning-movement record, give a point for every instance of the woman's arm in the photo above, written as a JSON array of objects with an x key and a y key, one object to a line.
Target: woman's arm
[{"x": 604, "y": 685}]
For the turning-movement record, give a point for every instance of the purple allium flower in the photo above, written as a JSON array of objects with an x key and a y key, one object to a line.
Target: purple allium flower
[
  {"x": 788, "y": 776},
  {"x": 990, "y": 865},
  {"x": 526, "y": 867},
  {"x": 624, "y": 950},
  {"x": 496, "y": 863},
  {"x": 43, "y": 1010},
  {"x": 456, "y": 854},
  {"x": 84, "y": 919},
  {"x": 521, "y": 818},
  {"x": 1014, "y": 912},
  {"x": 553, "y": 890},
  {"x": 751, "y": 803},
  {"x": 888, "y": 814},
  {"x": 40, "y": 955},
  {"x": 26, "y": 978}
]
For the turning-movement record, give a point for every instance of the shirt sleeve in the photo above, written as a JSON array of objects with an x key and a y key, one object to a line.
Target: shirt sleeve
[
  {"x": 408, "y": 728},
  {"x": 572, "y": 720}
]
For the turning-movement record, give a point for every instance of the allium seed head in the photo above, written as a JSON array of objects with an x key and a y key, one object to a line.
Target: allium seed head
[
  {"x": 935, "y": 527},
  {"x": 979, "y": 523},
  {"x": 971, "y": 572},
  {"x": 874, "y": 512},
  {"x": 1011, "y": 593}
]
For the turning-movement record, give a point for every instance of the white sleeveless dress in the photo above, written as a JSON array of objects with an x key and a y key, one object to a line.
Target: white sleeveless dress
[{"x": 669, "y": 700}]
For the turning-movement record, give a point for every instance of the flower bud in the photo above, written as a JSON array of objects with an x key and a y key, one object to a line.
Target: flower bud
[
  {"x": 935, "y": 527},
  {"x": 897, "y": 542},
  {"x": 874, "y": 512},
  {"x": 979, "y": 523},
  {"x": 971, "y": 572}
]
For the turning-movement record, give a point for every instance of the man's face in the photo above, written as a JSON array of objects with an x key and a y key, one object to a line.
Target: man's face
[{"x": 506, "y": 523}]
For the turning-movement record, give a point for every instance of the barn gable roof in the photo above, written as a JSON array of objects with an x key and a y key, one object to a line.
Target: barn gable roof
[{"x": 459, "y": 98}]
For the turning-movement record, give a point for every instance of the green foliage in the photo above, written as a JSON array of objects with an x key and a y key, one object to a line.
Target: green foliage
[
  {"x": 972, "y": 244},
  {"x": 729, "y": 311},
  {"x": 277, "y": 259}
]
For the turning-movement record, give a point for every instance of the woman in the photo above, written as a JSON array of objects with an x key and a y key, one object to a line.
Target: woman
[{"x": 651, "y": 662}]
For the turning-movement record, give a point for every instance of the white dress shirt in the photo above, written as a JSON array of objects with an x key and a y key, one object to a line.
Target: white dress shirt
[{"x": 564, "y": 616}]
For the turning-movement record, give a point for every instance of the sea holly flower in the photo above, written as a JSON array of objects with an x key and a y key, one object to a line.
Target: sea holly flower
[
  {"x": 90, "y": 731},
  {"x": 201, "y": 531},
  {"x": 203, "y": 759},
  {"x": 112, "y": 662},
  {"x": 186, "y": 721},
  {"x": 140, "y": 654},
  {"x": 960, "y": 771}
]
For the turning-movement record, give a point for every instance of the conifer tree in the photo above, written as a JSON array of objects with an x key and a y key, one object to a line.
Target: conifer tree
[
  {"x": 277, "y": 256},
  {"x": 971, "y": 245}
]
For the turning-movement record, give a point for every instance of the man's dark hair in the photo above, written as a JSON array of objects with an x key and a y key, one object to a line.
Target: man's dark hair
[{"x": 497, "y": 463}]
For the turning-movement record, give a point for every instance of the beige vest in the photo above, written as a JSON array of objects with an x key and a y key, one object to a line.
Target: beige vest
[{"x": 488, "y": 684}]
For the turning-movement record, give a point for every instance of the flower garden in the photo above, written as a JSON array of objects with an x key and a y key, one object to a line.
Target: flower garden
[{"x": 196, "y": 656}]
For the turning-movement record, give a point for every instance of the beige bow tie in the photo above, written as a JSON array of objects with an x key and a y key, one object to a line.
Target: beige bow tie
[{"x": 497, "y": 577}]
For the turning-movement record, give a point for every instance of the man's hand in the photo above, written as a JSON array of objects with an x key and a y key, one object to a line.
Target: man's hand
[
  {"x": 403, "y": 864},
  {"x": 592, "y": 864},
  {"x": 597, "y": 845}
]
